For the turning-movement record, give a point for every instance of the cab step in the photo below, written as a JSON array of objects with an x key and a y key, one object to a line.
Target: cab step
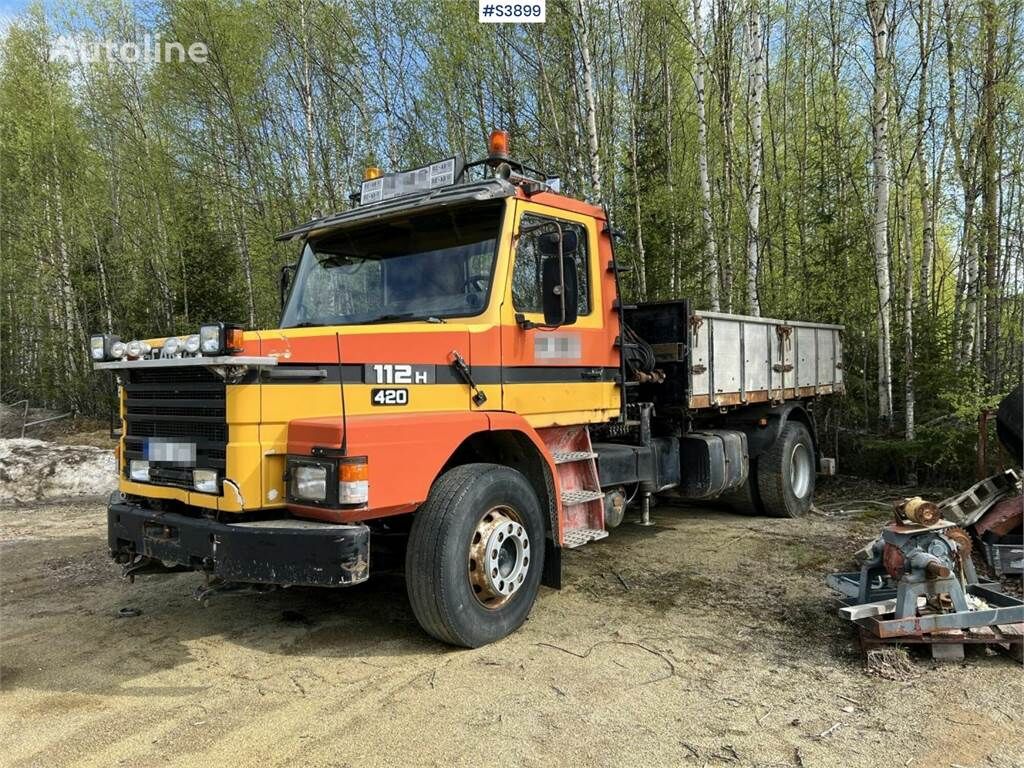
[
  {"x": 580, "y": 496},
  {"x": 565, "y": 457},
  {"x": 577, "y": 537}
]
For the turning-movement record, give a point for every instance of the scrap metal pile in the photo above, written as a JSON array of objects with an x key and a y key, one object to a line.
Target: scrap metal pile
[{"x": 917, "y": 584}]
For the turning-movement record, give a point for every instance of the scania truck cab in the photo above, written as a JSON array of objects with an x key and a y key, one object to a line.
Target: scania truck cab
[{"x": 454, "y": 367}]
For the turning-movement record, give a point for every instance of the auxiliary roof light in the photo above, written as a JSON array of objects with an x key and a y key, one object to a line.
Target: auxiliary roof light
[
  {"x": 372, "y": 172},
  {"x": 497, "y": 145}
]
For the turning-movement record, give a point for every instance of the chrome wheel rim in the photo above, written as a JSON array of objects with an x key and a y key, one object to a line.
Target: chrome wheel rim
[
  {"x": 800, "y": 470},
  {"x": 499, "y": 557}
]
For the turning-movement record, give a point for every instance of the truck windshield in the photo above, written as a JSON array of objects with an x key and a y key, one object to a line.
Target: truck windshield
[{"x": 428, "y": 265}]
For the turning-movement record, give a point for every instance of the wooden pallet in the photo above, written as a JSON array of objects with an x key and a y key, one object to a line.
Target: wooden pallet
[{"x": 949, "y": 645}]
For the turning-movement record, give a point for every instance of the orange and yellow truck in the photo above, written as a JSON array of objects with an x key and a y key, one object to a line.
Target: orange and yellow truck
[{"x": 454, "y": 370}]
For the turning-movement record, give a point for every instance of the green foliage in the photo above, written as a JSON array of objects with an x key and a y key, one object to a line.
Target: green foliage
[{"x": 145, "y": 199}]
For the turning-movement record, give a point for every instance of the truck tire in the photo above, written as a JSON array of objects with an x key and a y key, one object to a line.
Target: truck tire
[
  {"x": 785, "y": 473},
  {"x": 744, "y": 500},
  {"x": 1010, "y": 423},
  {"x": 475, "y": 555}
]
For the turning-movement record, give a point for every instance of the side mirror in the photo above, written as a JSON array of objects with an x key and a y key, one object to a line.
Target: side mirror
[
  {"x": 548, "y": 243},
  {"x": 285, "y": 280},
  {"x": 560, "y": 290}
]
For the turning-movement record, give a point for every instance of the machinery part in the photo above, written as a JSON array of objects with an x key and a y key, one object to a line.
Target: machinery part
[
  {"x": 895, "y": 563},
  {"x": 785, "y": 473},
  {"x": 962, "y": 539},
  {"x": 1004, "y": 518},
  {"x": 968, "y": 507},
  {"x": 645, "y": 511},
  {"x": 916, "y": 566},
  {"x": 499, "y": 556},
  {"x": 935, "y": 570},
  {"x": 614, "y": 507},
  {"x": 1010, "y": 423},
  {"x": 219, "y": 588},
  {"x": 918, "y": 510},
  {"x": 1006, "y": 558},
  {"x": 437, "y": 573},
  {"x": 640, "y": 357}
]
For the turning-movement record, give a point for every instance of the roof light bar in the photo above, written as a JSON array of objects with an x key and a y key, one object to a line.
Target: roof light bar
[{"x": 423, "y": 179}]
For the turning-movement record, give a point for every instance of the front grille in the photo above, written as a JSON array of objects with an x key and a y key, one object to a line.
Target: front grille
[{"x": 182, "y": 405}]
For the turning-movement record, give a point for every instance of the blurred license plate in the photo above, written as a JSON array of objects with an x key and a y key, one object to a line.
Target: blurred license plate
[{"x": 172, "y": 453}]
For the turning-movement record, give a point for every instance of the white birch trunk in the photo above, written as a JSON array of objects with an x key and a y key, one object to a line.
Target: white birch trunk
[
  {"x": 880, "y": 161},
  {"x": 755, "y": 88},
  {"x": 307, "y": 106},
  {"x": 710, "y": 244},
  {"x": 927, "y": 215},
  {"x": 591, "y": 100}
]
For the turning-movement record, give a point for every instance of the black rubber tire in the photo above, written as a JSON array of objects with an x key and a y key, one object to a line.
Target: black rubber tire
[
  {"x": 745, "y": 500},
  {"x": 436, "y": 560},
  {"x": 774, "y": 475},
  {"x": 1010, "y": 423}
]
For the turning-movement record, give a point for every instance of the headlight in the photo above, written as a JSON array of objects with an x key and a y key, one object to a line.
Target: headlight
[
  {"x": 309, "y": 482},
  {"x": 171, "y": 347},
  {"x": 117, "y": 350},
  {"x": 138, "y": 470},
  {"x": 205, "y": 480},
  {"x": 102, "y": 346},
  {"x": 192, "y": 344},
  {"x": 220, "y": 339},
  {"x": 138, "y": 349}
]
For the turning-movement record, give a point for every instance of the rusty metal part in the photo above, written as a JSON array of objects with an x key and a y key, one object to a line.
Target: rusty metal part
[
  {"x": 614, "y": 507},
  {"x": 961, "y": 538},
  {"x": 1004, "y": 518},
  {"x": 499, "y": 556},
  {"x": 935, "y": 570},
  {"x": 656, "y": 376},
  {"x": 895, "y": 563},
  {"x": 918, "y": 510}
]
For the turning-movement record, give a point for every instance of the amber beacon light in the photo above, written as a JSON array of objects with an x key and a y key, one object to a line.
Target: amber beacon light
[
  {"x": 371, "y": 173},
  {"x": 497, "y": 145}
]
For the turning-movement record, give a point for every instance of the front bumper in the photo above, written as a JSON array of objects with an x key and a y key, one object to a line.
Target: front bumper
[{"x": 283, "y": 551}]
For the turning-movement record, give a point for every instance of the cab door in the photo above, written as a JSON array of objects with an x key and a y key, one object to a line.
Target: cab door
[{"x": 562, "y": 374}]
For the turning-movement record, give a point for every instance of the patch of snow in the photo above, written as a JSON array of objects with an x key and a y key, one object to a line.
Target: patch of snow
[{"x": 31, "y": 470}]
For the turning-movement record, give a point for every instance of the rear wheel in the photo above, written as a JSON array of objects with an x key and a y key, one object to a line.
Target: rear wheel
[
  {"x": 744, "y": 500},
  {"x": 786, "y": 474},
  {"x": 475, "y": 555}
]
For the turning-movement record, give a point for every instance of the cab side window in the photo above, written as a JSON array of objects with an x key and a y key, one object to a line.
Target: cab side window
[{"x": 528, "y": 270}]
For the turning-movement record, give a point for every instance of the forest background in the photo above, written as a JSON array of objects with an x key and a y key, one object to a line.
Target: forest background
[{"x": 831, "y": 160}]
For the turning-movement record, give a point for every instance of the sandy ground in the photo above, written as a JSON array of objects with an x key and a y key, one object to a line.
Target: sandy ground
[{"x": 707, "y": 640}]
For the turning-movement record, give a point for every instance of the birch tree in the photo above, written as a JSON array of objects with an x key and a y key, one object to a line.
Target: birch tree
[
  {"x": 755, "y": 89},
  {"x": 590, "y": 97},
  {"x": 878, "y": 19},
  {"x": 707, "y": 221}
]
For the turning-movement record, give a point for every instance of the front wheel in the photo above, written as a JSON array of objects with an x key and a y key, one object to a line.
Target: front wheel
[
  {"x": 786, "y": 473},
  {"x": 475, "y": 556}
]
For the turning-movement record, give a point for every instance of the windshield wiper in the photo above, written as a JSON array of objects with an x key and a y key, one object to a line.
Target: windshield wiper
[
  {"x": 390, "y": 318},
  {"x": 307, "y": 325},
  {"x": 401, "y": 316}
]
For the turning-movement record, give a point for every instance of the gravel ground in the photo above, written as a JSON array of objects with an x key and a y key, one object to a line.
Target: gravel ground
[{"x": 709, "y": 639}]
